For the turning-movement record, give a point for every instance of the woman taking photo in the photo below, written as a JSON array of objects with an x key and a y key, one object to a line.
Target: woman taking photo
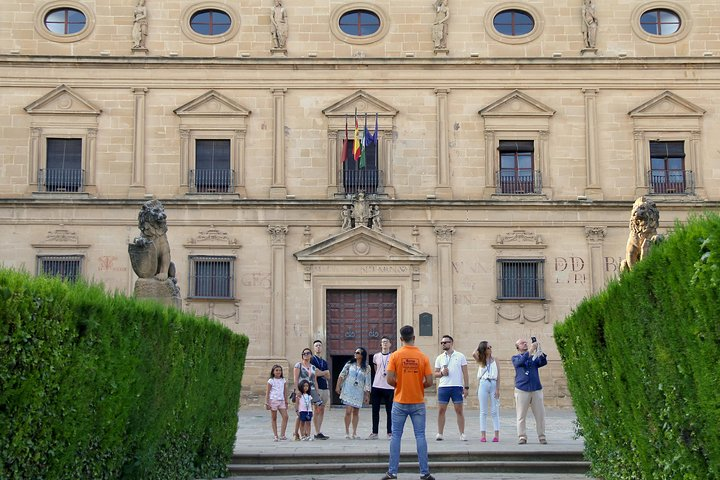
[
  {"x": 353, "y": 386},
  {"x": 488, "y": 388}
]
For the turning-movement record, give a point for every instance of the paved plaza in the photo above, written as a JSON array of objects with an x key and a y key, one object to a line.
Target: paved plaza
[{"x": 254, "y": 435}]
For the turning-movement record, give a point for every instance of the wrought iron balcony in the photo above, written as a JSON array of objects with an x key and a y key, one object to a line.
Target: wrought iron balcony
[
  {"x": 671, "y": 182},
  {"x": 367, "y": 180},
  {"x": 518, "y": 182},
  {"x": 212, "y": 181},
  {"x": 61, "y": 180}
]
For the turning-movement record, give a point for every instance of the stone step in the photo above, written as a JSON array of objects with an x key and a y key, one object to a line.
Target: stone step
[{"x": 501, "y": 462}]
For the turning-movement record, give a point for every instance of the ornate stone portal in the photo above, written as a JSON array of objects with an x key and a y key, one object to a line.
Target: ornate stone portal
[
  {"x": 644, "y": 222},
  {"x": 150, "y": 257}
]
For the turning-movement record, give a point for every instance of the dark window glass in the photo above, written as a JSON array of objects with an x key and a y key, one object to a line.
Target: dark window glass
[
  {"x": 513, "y": 23},
  {"x": 65, "y": 21},
  {"x": 63, "y": 170},
  {"x": 660, "y": 22},
  {"x": 516, "y": 174},
  {"x": 210, "y": 22},
  {"x": 211, "y": 277},
  {"x": 360, "y": 23},
  {"x": 521, "y": 279},
  {"x": 212, "y": 166},
  {"x": 66, "y": 267},
  {"x": 667, "y": 167}
]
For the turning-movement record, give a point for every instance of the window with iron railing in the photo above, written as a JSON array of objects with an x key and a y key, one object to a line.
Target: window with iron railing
[
  {"x": 520, "y": 279},
  {"x": 67, "y": 267},
  {"x": 361, "y": 174},
  {"x": 516, "y": 175},
  {"x": 211, "y": 277},
  {"x": 63, "y": 172},
  {"x": 212, "y": 173},
  {"x": 667, "y": 173}
]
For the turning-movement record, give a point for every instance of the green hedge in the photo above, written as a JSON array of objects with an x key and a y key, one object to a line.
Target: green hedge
[
  {"x": 98, "y": 386},
  {"x": 642, "y": 361}
]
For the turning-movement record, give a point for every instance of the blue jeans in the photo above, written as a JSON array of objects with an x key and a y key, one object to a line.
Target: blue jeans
[
  {"x": 486, "y": 391},
  {"x": 416, "y": 412}
]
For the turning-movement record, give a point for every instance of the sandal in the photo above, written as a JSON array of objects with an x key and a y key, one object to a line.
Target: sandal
[
  {"x": 283, "y": 437},
  {"x": 275, "y": 439}
]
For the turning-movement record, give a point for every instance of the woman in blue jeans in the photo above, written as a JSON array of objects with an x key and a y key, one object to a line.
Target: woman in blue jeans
[{"x": 488, "y": 388}]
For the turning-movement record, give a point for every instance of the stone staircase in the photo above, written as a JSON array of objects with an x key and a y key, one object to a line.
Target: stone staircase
[{"x": 274, "y": 464}]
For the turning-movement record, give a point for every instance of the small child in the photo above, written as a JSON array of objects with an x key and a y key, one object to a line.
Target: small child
[
  {"x": 275, "y": 400},
  {"x": 304, "y": 402}
]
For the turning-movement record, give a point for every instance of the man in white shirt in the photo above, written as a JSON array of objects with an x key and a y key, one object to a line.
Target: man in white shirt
[
  {"x": 451, "y": 368},
  {"x": 381, "y": 390}
]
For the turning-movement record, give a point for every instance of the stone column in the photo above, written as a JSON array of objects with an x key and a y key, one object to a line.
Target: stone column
[
  {"x": 137, "y": 185},
  {"x": 333, "y": 162},
  {"x": 443, "y": 189},
  {"x": 91, "y": 160},
  {"x": 592, "y": 186},
  {"x": 185, "y": 145},
  {"x": 695, "y": 154},
  {"x": 595, "y": 236},
  {"x": 278, "y": 188},
  {"x": 641, "y": 186},
  {"x": 277, "y": 294},
  {"x": 444, "y": 235},
  {"x": 239, "y": 166},
  {"x": 491, "y": 162},
  {"x": 544, "y": 161},
  {"x": 34, "y": 156},
  {"x": 386, "y": 155}
]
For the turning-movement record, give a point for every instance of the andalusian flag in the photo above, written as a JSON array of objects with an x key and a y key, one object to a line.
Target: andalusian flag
[
  {"x": 345, "y": 143},
  {"x": 356, "y": 140},
  {"x": 363, "y": 158}
]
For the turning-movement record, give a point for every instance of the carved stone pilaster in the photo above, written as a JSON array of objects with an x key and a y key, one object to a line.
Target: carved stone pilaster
[
  {"x": 595, "y": 235},
  {"x": 444, "y": 233}
]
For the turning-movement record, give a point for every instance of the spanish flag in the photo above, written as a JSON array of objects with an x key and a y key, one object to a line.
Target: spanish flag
[{"x": 356, "y": 140}]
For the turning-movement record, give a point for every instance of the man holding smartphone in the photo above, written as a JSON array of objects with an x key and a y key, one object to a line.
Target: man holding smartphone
[{"x": 528, "y": 390}]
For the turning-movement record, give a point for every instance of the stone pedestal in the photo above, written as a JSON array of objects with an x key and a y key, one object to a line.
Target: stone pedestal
[
  {"x": 278, "y": 52},
  {"x": 441, "y": 52},
  {"x": 163, "y": 291},
  {"x": 139, "y": 51},
  {"x": 587, "y": 52}
]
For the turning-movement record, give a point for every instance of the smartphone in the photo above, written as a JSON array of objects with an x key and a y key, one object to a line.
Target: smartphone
[{"x": 533, "y": 339}]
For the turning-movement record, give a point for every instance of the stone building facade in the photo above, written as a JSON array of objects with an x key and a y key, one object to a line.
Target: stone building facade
[{"x": 507, "y": 148}]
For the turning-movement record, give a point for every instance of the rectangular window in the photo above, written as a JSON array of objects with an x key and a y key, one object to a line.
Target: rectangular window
[
  {"x": 520, "y": 279},
  {"x": 63, "y": 171},
  {"x": 211, "y": 277},
  {"x": 516, "y": 174},
  {"x": 359, "y": 175},
  {"x": 212, "y": 172},
  {"x": 67, "y": 267},
  {"x": 667, "y": 168}
]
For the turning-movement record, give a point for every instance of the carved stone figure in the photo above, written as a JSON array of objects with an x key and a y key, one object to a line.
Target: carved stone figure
[
  {"x": 150, "y": 252},
  {"x": 140, "y": 25},
  {"x": 440, "y": 24},
  {"x": 589, "y": 24},
  {"x": 346, "y": 216},
  {"x": 279, "y": 25},
  {"x": 644, "y": 221},
  {"x": 150, "y": 257},
  {"x": 375, "y": 219}
]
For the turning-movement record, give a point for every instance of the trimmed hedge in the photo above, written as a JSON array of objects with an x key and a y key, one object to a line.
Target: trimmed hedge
[
  {"x": 98, "y": 386},
  {"x": 642, "y": 360}
]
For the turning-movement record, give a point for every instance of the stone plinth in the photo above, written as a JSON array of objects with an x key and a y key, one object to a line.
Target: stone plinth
[{"x": 163, "y": 291}]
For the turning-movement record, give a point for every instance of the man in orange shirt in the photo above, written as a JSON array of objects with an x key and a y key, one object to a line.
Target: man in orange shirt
[{"x": 409, "y": 372}]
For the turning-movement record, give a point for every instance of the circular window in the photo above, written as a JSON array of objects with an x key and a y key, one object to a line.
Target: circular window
[
  {"x": 65, "y": 21},
  {"x": 660, "y": 21},
  {"x": 210, "y": 22},
  {"x": 359, "y": 23},
  {"x": 513, "y": 23}
]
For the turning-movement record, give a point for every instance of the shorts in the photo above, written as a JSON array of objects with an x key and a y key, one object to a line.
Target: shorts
[
  {"x": 305, "y": 416},
  {"x": 276, "y": 405},
  {"x": 446, "y": 393},
  {"x": 324, "y": 396}
]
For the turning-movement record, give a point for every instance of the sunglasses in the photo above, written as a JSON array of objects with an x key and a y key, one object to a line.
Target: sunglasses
[
  {"x": 443, "y": 343},
  {"x": 358, "y": 353},
  {"x": 307, "y": 353}
]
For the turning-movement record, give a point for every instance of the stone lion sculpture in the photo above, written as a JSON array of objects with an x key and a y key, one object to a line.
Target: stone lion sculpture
[
  {"x": 150, "y": 252},
  {"x": 644, "y": 221}
]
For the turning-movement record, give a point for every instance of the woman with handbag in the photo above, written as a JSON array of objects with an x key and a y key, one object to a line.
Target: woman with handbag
[
  {"x": 353, "y": 386},
  {"x": 304, "y": 370}
]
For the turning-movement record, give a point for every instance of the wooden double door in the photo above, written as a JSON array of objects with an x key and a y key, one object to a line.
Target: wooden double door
[{"x": 358, "y": 318}]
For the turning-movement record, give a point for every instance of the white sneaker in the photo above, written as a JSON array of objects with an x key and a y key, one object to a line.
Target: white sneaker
[
  {"x": 462, "y": 437},
  {"x": 372, "y": 436},
  {"x": 439, "y": 436}
]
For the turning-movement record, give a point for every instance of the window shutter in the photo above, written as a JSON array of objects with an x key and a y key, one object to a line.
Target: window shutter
[
  {"x": 507, "y": 146},
  {"x": 667, "y": 149}
]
